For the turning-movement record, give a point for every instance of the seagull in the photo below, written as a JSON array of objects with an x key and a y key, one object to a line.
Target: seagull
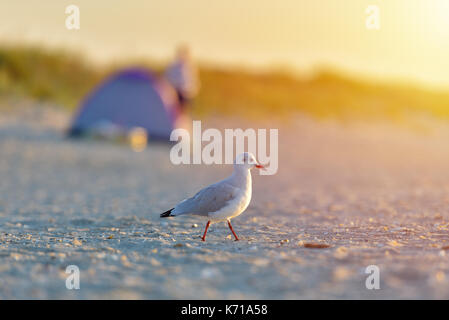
[{"x": 223, "y": 200}]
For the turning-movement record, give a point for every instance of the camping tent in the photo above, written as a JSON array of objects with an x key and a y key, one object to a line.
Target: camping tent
[{"x": 128, "y": 99}]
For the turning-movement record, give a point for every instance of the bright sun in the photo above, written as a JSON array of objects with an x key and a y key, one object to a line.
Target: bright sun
[{"x": 438, "y": 16}]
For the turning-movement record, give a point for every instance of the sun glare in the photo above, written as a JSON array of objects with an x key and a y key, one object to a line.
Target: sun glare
[{"x": 438, "y": 17}]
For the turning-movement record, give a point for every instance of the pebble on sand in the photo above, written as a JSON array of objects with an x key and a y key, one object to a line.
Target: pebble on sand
[{"x": 312, "y": 245}]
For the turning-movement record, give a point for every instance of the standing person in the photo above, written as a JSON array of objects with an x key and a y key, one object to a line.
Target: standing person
[{"x": 183, "y": 76}]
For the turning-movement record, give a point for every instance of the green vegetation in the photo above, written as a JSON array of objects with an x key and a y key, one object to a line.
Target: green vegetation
[
  {"x": 64, "y": 79},
  {"x": 326, "y": 95}
]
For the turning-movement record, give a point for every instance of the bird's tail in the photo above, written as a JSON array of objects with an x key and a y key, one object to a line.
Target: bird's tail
[{"x": 167, "y": 213}]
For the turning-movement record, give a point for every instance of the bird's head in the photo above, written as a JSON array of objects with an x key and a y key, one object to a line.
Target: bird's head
[{"x": 247, "y": 161}]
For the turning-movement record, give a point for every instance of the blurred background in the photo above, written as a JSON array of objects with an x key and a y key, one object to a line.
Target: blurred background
[
  {"x": 359, "y": 90},
  {"x": 255, "y": 59}
]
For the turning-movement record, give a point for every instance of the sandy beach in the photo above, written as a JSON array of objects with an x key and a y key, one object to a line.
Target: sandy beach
[{"x": 371, "y": 194}]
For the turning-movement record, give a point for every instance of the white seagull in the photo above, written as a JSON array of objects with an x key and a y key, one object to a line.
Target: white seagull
[{"x": 223, "y": 200}]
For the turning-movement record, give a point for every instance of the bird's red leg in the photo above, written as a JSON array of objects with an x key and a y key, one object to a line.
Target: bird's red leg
[
  {"x": 230, "y": 227},
  {"x": 205, "y": 231}
]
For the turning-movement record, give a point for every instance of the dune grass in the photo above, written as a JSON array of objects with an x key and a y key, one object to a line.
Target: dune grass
[
  {"x": 325, "y": 95},
  {"x": 57, "y": 77},
  {"x": 64, "y": 78}
]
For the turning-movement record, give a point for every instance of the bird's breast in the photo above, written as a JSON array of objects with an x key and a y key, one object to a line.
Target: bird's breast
[{"x": 237, "y": 205}]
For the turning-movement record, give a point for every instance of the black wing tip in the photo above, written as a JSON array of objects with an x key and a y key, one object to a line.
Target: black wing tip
[{"x": 167, "y": 213}]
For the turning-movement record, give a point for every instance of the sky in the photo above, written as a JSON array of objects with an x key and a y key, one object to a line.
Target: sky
[{"x": 412, "y": 43}]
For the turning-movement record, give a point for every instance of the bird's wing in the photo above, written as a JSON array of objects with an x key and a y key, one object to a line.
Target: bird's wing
[{"x": 208, "y": 200}]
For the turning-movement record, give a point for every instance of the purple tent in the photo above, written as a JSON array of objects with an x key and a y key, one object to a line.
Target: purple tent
[{"x": 128, "y": 99}]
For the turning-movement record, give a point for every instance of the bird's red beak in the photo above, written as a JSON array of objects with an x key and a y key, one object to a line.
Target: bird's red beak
[{"x": 259, "y": 166}]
